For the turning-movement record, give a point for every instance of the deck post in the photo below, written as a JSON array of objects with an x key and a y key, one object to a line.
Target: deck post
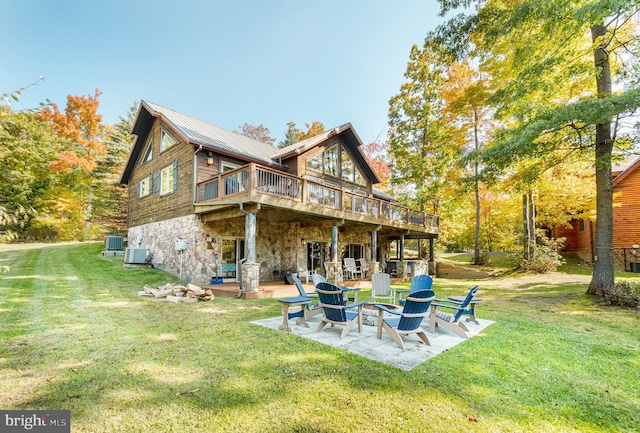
[
  {"x": 334, "y": 267},
  {"x": 402, "y": 265},
  {"x": 250, "y": 269},
  {"x": 432, "y": 258},
  {"x": 374, "y": 265}
]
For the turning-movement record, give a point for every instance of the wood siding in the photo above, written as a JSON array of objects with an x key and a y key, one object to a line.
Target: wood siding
[
  {"x": 626, "y": 211},
  {"x": 155, "y": 207},
  {"x": 576, "y": 240}
]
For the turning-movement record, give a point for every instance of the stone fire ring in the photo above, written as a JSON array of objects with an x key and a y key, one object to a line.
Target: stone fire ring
[{"x": 370, "y": 313}]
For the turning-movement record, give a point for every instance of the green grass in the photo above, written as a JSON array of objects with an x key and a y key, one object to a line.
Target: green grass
[{"x": 75, "y": 336}]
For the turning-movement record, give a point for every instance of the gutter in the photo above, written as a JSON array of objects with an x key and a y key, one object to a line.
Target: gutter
[{"x": 195, "y": 174}]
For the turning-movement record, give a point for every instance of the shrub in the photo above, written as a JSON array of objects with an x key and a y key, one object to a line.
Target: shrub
[
  {"x": 624, "y": 294},
  {"x": 545, "y": 257}
]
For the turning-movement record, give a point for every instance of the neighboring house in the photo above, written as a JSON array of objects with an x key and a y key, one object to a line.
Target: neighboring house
[
  {"x": 580, "y": 237},
  {"x": 251, "y": 212}
]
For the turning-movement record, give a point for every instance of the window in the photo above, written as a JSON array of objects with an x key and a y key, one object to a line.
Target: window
[
  {"x": 166, "y": 140},
  {"x": 347, "y": 167},
  {"x": 355, "y": 251},
  {"x": 227, "y": 166},
  {"x": 359, "y": 178},
  {"x": 168, "y": 179},
  {"x": 581, "y": 225},
  {"x": 148, "y": 154},
  {"x": 144, "y": 186},
  {"x": 331, "y": 161},
  {"x": 315, "y": 163}
]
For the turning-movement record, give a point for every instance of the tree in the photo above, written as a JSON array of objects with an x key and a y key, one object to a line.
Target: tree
[
  {"x": 26, "y": 147},
  {"x": 110, "y": 197},
  {"x": 424, "y": 158},
  {"x": 466, "y": 97},
  {"x": 314, "y": 129},
  {"x": 290, "y": 136},
  {"x": 552, "y": 84},
  {"x": 259, "y": 133},
  {"x": 376, "y": 152},
  {"x": 79, "y": 128}
]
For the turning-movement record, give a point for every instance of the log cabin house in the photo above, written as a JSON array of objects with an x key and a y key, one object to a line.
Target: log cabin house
[
  {"x": 208, "y": 202},
  {"x": 580, "y": 237}
]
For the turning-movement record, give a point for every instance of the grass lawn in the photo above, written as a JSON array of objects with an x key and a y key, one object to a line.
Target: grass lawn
[{"x": 75, "y": 336}]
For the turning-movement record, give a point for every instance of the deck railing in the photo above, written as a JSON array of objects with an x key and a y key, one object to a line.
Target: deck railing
[{"x": 253, "y": 177}]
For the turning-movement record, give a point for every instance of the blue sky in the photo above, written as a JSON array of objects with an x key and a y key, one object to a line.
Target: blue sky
[{"x": 225, "y": 62}]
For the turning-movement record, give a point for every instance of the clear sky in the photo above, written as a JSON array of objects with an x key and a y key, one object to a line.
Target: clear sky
[{"x": 226, "y": 62}]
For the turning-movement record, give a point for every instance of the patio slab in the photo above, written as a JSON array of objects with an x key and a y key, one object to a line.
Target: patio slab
[{"x": 384, "y": 350}]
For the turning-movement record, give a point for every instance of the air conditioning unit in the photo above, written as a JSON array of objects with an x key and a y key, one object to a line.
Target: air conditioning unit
[
  {"x": 113, "y": 243},
  {"x": 135, "y": 256}
]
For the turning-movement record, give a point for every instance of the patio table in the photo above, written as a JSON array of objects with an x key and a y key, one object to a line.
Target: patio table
[
  {"x": 298, "y": 301},
  {"x": 348, "y": 290}
]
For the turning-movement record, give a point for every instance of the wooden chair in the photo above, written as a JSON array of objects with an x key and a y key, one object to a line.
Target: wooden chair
[
  {"x": 350, "y": 268},
  {"x": 310, "y": 310},
  {"x": 416, "y": 308},
  {"x": 364, "y": 266},
  {"x": 419, "y": 282},
  {"x": 451, "y": 321},
  {"x": 335, "y": 311},
  {"x": 381, "y": 287}
]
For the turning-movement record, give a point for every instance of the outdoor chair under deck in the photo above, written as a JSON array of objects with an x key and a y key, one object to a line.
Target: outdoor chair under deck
[
  {"x": 451, "y": 321},
  {"x": 416, "y": 308},
  {"x": 351, "y": 270},
  {"x": 335, "y": 310}
]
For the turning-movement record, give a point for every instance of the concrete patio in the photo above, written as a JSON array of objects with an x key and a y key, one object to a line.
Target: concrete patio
[{"x": 384, "y": 350}]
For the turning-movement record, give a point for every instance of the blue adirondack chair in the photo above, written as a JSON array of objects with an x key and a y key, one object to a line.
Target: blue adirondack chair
[
  {"x": 408, "y": 321},
  {"x": 335, "y": 311},
  {"x": 451, "y": 320},
  {"x": 311, "y": 309},
  {"x": 419, "y": 282}
]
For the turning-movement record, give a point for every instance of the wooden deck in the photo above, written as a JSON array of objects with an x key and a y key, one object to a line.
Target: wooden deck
[{"x": 277, "y": 289}]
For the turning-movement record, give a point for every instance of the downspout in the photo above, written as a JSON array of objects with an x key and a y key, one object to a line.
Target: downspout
[{"x": 195, "y": 174}]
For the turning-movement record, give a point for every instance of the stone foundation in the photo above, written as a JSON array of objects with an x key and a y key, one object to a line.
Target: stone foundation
[
  {"x": 160, "y": 239},
  {"x": 281, "y": 248}
]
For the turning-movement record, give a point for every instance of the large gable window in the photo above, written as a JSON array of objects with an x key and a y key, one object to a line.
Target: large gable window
[
  {"x": 148, "y": 153},
  {"x": 344, "y": 168},
  {"x": 166, "y": 140},
  {"x": 347, "y": 167},
  {"x": 359, "y": 178},
  {"x": 315, "y": 163},
  {"x": 331, "y": 161}
]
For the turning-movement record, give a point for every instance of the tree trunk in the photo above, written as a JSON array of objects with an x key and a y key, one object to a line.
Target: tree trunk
[
  {"x": 529, "y": 224},
  {"x": 477, "y": 187},
  {"x": 603, "y": 278},
  {"x": 87, "y": 226}
]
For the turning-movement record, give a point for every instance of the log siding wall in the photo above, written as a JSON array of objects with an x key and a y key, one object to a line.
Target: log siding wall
[{"x": 155, "y": 207}]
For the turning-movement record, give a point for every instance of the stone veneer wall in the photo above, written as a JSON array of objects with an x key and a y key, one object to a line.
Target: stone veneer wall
[
  {"x": 280, "y": 247},
  {"x": 160, "y": 237}
]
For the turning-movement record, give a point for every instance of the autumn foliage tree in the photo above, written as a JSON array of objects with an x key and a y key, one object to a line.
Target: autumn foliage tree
[
  {"x": 79, "y": 131},
  {"x": 260, "y": 133}
]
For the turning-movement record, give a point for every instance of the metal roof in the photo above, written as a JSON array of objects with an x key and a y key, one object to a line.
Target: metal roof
[{"x": 214, "y": 137}]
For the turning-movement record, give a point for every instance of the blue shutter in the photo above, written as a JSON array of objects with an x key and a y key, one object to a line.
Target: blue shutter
[
  {"x": 158, "y": 182},
  {"x": 175, "y": 175},
  {"x": 150, "y": 182},
  {"x": 138, "y": 189}
]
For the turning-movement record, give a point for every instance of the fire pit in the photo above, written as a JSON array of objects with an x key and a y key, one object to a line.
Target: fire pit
[{"x": 370, "y": 312}]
